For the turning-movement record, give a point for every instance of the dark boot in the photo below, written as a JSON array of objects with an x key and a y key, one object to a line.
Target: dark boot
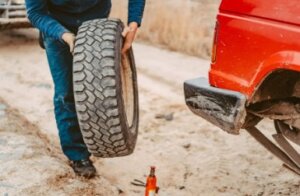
[{"x": 84, "y": 168}]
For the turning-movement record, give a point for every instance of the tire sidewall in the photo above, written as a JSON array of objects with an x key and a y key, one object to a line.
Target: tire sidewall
[{"x": 131, "y": 138}]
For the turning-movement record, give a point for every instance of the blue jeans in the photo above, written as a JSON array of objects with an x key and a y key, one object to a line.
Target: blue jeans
[{"x": 60, "y": 61}]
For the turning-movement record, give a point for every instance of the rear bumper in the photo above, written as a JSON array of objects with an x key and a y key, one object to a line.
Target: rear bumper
[{"x": 223, "y": 108}]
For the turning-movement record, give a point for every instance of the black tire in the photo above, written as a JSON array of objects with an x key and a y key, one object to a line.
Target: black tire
[{"x": 105, "y": 90}]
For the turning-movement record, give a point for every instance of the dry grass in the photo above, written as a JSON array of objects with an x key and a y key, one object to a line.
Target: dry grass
[{"x": 180, "y": 25}]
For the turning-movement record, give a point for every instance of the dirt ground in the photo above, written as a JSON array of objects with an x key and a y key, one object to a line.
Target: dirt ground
[{"x": 192, "y": 156}]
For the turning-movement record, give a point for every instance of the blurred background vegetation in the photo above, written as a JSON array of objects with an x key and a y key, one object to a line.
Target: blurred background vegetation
[{"x": 180, "y": 25}]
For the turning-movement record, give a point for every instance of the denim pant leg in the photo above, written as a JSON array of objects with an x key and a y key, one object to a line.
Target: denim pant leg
[{"x": 60, "y": 61}]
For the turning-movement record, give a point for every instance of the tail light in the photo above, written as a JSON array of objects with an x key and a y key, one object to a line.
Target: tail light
[{"x": 215, "y": 43}]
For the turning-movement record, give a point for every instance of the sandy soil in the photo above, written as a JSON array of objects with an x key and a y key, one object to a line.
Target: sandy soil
[{"x": 192, "y": 156}]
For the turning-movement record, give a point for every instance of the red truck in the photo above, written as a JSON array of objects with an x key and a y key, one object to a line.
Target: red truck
[{"x": 255, "y": 74}]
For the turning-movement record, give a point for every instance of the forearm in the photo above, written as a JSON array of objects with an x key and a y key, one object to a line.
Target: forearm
[
  {"x": 38, "y": 15},
  {"x": 135, "y": 11}
]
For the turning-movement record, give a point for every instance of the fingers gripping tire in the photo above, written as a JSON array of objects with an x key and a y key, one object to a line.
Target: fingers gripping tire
[{"x": 105, "y": 89}]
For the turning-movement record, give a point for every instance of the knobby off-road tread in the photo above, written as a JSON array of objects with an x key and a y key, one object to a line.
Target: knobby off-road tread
[{"x": 97, "y": 89}]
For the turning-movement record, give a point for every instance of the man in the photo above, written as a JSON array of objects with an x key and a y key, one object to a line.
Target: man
[{"x": 58, "y": 20}]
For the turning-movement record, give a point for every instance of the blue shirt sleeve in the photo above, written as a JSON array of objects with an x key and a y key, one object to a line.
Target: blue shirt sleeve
[
  {"x": 135, "y": 11},
  {"x": 39, "y": 17}
]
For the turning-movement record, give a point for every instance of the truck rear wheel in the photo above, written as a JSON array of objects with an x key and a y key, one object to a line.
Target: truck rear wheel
[{"x": 105, "y": 89}]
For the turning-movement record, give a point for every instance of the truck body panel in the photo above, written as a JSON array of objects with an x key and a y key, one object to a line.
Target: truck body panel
[
  {"x": 277, "y": 10},
  {"x": 256, "y": 50},
  {"x": 251, "y": 45}
]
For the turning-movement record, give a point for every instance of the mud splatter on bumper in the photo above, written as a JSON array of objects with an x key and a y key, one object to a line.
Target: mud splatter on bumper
[{"x": 223, "y": 108}]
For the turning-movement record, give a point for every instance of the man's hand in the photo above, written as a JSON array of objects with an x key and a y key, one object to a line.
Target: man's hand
[
  {"x": 69, "y": 38},
  {"x": 129, "y": 35}
]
